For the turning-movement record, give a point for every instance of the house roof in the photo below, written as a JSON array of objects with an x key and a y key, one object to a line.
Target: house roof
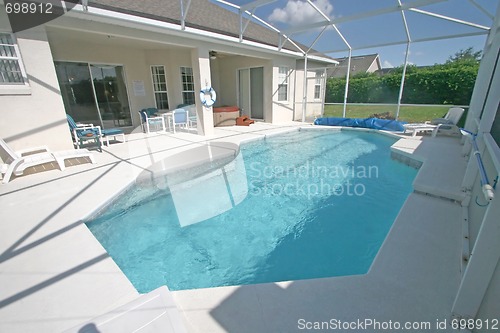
[
  {"x": 359, "y": 64},
  {"x": 388, "y": 70},
  {"x": 202, "y": 14}
]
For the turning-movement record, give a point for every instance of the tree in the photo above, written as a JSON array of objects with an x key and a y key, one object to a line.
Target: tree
[{"x": 467, "y": 55}]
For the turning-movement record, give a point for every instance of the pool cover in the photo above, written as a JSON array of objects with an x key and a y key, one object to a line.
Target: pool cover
[{"x": 374, "y": 123}]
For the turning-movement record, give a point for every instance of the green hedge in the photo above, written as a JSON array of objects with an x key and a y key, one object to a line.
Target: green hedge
[{"x": 450, "y": 83}]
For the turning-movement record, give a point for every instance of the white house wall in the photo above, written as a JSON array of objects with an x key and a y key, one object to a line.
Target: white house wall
[
  {"x": 313, "y": 105},
  {"x": 228, "y": 80},
  {"x": 173, "y": 60},
  {"x": 137, "y": 64},
  {"x": 220, "y": 68},
  {"x": 37, "y": 116},
  {"x": 283, "y": 110},
  {"x": 86, "y": 39},
  {"x": 223, "y": 70},
  {"x": 134, "y": 61}
]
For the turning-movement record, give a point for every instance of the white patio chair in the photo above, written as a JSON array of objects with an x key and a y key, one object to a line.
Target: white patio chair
[
  {"x": 180, "y": 117},
  {"x": 150, "y": 122}
]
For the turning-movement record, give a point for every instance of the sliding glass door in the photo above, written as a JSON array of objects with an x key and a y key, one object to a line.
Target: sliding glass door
[
  {"x": 94, "y": 93},
  {"x": 111, "y": 95},
  {"x": 77, "y": 92}
]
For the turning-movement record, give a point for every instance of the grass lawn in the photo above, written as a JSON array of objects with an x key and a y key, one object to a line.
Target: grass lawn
[{"x": 410, "y": 114}]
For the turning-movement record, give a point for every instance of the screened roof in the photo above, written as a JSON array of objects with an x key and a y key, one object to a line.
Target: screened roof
[{"x": 332, "y": 26}]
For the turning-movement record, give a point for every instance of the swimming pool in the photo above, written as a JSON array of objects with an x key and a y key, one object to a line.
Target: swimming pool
[{"x": 309, "y": 204}]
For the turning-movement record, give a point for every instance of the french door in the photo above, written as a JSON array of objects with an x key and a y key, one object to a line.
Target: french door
[{"x": 94, "y": 93}]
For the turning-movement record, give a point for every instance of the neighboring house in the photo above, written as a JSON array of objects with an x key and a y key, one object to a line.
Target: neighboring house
[
  {"x": 384, "y": 71},
  {"x": 389, "y": 70},
  {"x": 104, "y": 63},
  {"x": 369, "y": 63}
]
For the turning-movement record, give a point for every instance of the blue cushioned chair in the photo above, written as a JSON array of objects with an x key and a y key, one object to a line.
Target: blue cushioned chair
[{"x": 84, "y": 133}]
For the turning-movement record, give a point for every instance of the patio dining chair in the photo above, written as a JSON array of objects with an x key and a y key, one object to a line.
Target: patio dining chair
[
  {"x": 151, "y": 122},
  {"x": 15, "y": 162},
  {"x": 180, "y": 117},
  {"x": 191, "y": 108}
]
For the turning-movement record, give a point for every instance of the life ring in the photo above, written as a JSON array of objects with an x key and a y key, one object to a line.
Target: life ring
[{"x": 208, "y": 96}]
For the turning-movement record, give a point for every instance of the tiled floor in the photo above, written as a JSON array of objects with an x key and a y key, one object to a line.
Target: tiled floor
[{"x": 54, "y": 274}]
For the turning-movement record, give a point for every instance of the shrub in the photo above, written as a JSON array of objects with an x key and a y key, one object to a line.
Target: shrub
[{"x": 450, "y": 83}]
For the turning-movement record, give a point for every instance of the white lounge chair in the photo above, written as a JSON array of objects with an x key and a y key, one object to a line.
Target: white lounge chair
[
  {"x": 15, "y": 162},
  {"x": 446, "y": 124},
  {"x": 420, "y": 127}
]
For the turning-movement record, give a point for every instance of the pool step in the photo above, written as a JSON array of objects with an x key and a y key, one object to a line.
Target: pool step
[{"x": 440, "y": 162}]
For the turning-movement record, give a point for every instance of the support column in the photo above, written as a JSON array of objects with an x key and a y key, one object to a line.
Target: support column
[
  {"x": 304, "y": 91},
  {"x": 346, "y": 89},
  {"x": 323, "y": 92},
  {"x": 201, "y": 74},
  {"x": 408, "y": 38},
  {"x": 402, "y": 86}
]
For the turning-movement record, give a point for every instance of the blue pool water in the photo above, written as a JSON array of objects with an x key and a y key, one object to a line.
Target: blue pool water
[{"x": 313, "y": 204}]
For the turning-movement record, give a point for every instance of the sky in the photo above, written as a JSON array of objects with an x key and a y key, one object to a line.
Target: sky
[{"x": 382, "y": 29}]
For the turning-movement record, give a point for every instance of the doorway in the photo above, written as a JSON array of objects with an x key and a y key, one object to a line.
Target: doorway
[
  {"x": 251, "y": 92},
  {"x": 94, "y": 93}
]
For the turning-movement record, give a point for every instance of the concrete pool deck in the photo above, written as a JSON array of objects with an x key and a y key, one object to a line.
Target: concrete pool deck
[{"x": 55, "y": 275}]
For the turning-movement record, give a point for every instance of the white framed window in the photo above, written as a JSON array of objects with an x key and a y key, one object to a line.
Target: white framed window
[
  {"x": 283, "y": 84},
  {"x": 317, "y": 84},
  {"x": 11, "y": 67},
  {"x": 187, "y": 85},
  {"x": 160, "y": 86}
]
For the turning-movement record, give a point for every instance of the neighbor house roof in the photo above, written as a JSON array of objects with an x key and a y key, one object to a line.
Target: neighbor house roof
[
  {"x": 202, "y": 14},
  {"x": 360, "y": 64}
]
